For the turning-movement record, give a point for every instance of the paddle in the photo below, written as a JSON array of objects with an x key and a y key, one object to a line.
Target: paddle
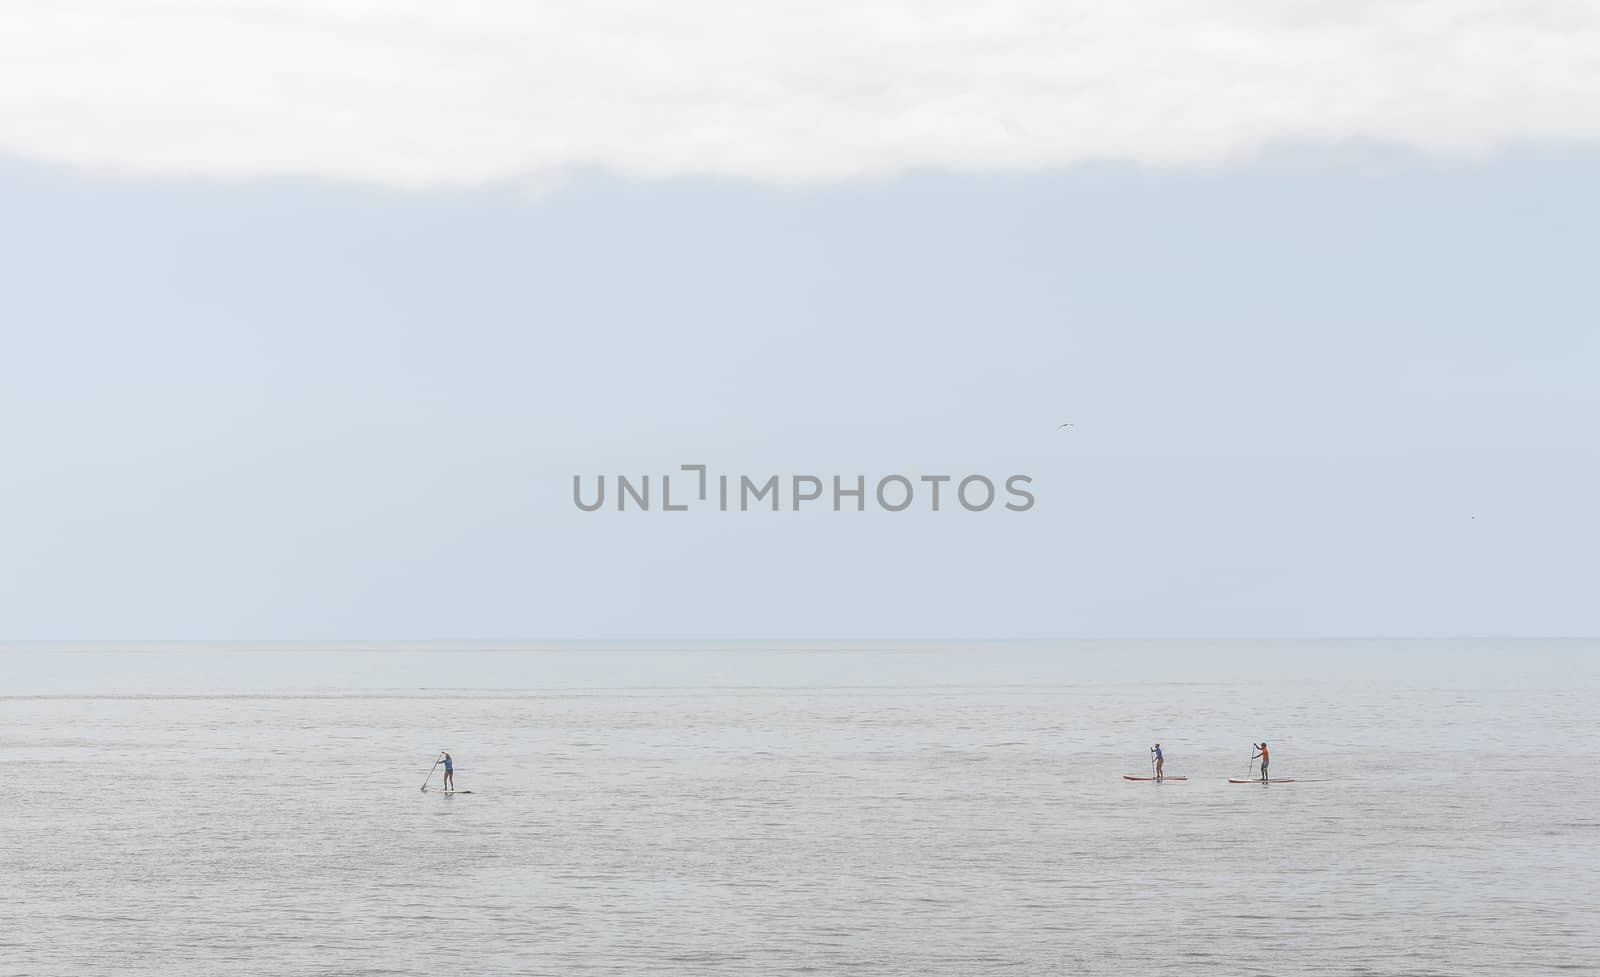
[{"x": 431, "y": 769}]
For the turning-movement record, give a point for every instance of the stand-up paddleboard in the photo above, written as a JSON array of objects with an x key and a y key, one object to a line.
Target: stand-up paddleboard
[
  {"x": 1129, "y": 776},
  {"x": 1258, "y": 780},
  {"x": 441, "y": 790}
]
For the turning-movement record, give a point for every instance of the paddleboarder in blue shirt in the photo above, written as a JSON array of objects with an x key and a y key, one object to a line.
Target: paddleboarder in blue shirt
[
  {"x": 449, "y": 771},
  {"x": 1160, "y": 760}
]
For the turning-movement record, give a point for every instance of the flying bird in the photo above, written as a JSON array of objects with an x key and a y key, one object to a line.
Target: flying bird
[{"x": 1064, "y": 425}]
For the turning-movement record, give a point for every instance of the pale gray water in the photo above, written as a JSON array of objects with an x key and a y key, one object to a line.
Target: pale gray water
[{"x": 840, "y": 816}]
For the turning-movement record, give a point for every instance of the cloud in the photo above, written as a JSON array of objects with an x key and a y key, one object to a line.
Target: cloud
[{"x": 468, "y": 92}]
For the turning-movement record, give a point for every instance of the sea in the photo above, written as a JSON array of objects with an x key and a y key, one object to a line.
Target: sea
[{"x": 883, "y": 808}]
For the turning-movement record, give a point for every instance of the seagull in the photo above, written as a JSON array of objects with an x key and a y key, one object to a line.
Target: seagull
[{"x": 1063, "y": 425}]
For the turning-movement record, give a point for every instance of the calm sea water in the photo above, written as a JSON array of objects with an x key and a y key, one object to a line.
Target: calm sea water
[{"x": 950, "y": 811}]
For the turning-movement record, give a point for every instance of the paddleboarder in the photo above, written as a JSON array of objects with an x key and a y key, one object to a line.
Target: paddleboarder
[
  {"x": 1160, "y": 760},
  {"x": 1262, "y": 753},
  {"x": 449, "y": 771}
]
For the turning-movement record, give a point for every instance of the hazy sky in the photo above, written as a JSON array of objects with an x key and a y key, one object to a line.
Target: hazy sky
[{"x": 300, "y": 344}]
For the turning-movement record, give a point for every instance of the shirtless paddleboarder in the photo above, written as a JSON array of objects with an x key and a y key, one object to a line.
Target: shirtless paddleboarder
[{"x": 1261, "y": 752}]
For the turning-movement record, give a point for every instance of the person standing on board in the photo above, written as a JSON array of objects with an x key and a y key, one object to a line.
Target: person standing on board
[
  {"x": 1160, "y": 760},
  {"x": 1262, "y": 747},
  {"x": 449, "y": 771}
]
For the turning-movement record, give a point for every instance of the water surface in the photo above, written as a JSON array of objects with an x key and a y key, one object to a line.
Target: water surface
[{"x": 784, "y": 811}]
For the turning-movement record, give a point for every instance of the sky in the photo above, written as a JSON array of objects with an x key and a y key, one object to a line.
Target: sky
[
  {"x": 415, "y": 94},
  {"x": 310, "y": 314}
]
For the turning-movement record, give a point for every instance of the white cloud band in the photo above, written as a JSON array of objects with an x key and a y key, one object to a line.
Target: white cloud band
[{"x": 406, "y": 93}]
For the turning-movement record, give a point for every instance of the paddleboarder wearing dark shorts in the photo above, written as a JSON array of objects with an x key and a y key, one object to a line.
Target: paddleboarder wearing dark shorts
[
  {"x": 1262, "y": 747},
  {"x": 449, "y": 771}
]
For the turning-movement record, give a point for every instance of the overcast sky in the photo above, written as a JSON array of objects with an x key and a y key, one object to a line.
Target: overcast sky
[
  {"x": 413, "y": 93},
  {"x": 311, "y": 312}
]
